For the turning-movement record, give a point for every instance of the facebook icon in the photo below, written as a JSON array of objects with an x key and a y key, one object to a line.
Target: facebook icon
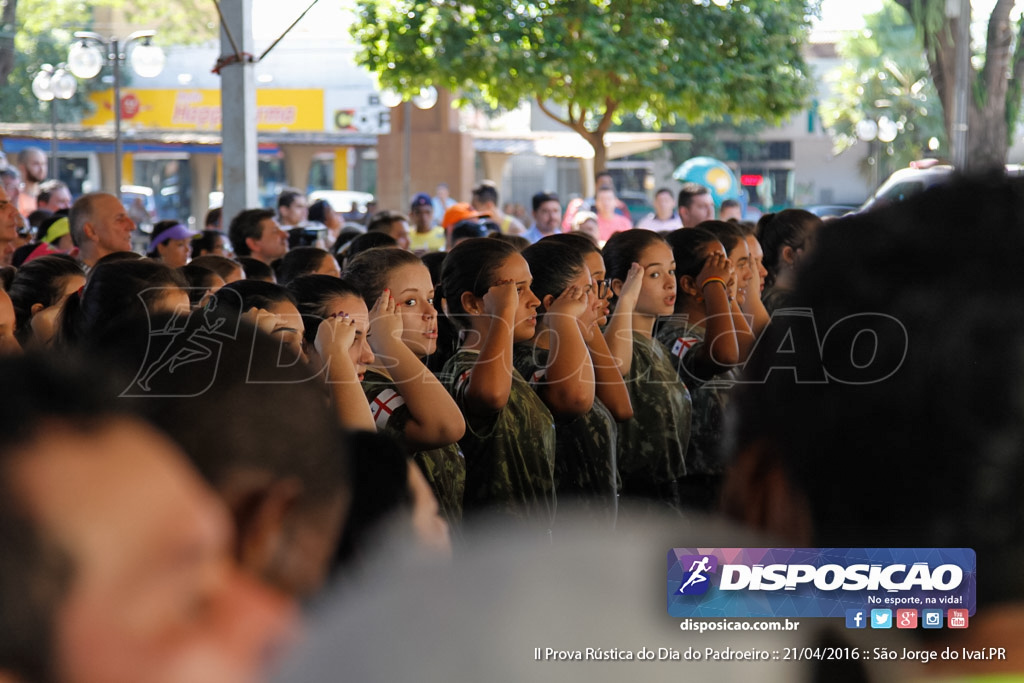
[{"x": 856, "y": 618}]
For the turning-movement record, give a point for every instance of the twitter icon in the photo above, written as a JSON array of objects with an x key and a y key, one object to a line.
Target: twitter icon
[{"x": 881, "y": 618}]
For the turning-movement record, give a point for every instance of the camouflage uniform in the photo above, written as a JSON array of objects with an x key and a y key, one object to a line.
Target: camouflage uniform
[
  {"x": 444, "y": 468},
  {"x": 510, "y": 455},
  {"x": 652, "y": 445},
  {"x": 585, "y": 445},
  {"x": 705, "y": 458}
]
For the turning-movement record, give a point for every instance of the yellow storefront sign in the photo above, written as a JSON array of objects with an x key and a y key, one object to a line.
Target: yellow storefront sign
[{"x": 276, "y": 110}]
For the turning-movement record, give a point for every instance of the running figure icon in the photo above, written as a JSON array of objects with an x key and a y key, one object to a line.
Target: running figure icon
[{"x": 697, "y": 570}]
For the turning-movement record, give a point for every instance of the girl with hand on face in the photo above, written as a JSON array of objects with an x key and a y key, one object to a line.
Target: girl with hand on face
[
  {"x": 558, "y": 364},
  {"x": 707, "y": 337},
  {"x": 653, "y": 444},
  {"x": 336, "y": 323},
  {"x": 510, "y": 433},
  {"x": 406, "y": 400}
]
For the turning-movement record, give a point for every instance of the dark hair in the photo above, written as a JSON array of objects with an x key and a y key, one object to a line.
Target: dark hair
[
  {"x": 36, "y": 573},
  {"x": 245, "y": 225},
  {"x": 690, "y": 249},
  {"x": 311, "y": 294},
  {"x": 256, "y": 269},
  {"x": 748, "y": 228},
  {"x": 553, "y": 267},
  {"x": 361, "y": 243},
  {"x": 213, "y": 217},
  {"x": 205, "y": 241},
  {"x": 221, "y": 265},
  {"x": 434, "y": 261},
  {"x": 158, "y": 229},
  {"x": 542, "y": 197},
  {"x": 789, "y": 227},
  {"x": 468, "y": 229},
  {"x": 447, "y": 332},
  {"x": 469, "y": 267},
  {"x": 115, "y": 291},
  {"x": 38, "y": 217},
  {"x": 299, "y": 261},
  {"x": 730, "y": 203},
  {"x": 40, "y": 281},
  {"x": 380, "y": 477},
  {"x": 729, "y": 234},
  {"x": 664, "y": 190},
  {"x": 256, "y": 294},
  {"x": 486, "y": 192},
  {"x": 240, "y": 410},
  {"x": 288, "y": 196},
  {"x": 948, "y": 415},
  {"x": 318, "y": 210},
  {"x": 582, "y": 243},
  {"x": 199, "y": 279},
  {"x": 382, "y": 221},
  {"x": 517, "y": 241},
  {"x": 120, "y": 257},
  {"x": 688, "y": 191},
  {"x": 346, "y": 235},
  {"x": 7, "y": 276},
  {"x": 369, "y": 270},
  {"x": 623, "y": 249}
]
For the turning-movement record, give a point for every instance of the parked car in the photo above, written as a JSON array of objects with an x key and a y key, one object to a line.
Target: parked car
[
  {"x": 141, "y": 206},
  {"x": 342, "y": 200},
  {"x": 920, "y": 176},
  {"x": 830, "y": 210}
]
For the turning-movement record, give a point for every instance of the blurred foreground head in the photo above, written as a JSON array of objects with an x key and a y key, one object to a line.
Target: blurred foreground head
[
  {"x": 248, "y": 413},
  {"x": 905, "y": 427},
  {"x": 116, "y": 561}
]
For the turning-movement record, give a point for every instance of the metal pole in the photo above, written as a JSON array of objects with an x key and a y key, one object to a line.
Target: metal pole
[
  {"x": 406, "y": 153},
  {"x": 963, "y": 74},
  {"x": 54, "y": 169},
  {"x": 115, "y": 58}
]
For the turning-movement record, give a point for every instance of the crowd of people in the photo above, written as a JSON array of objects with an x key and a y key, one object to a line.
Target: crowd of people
[{"x": 196, "y": 440}]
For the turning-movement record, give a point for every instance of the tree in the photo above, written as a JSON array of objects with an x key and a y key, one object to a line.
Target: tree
[
  {"x": 994, "y": 108},
  {"x": 36, "y": 32},
  {"x": 885, "y": 75},
  {"x": 588, "y": 62}
]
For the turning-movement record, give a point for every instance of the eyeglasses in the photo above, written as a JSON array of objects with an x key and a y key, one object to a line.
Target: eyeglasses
[{"x": 602, "y": 287}]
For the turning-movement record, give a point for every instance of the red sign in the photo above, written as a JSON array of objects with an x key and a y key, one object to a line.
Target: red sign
[
  {"x": 129, "y": 106},
  {"x": 751, "y": 180}
]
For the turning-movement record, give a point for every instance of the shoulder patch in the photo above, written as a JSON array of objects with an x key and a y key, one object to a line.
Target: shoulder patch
[
  {"x": 682, "y": 345},
  {"x": 384, "y": 405}
]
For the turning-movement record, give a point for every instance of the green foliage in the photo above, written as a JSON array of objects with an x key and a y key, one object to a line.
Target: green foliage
[
  {"x": 886, "y": 74},
  {"x": 43, "y": 35},
  {"x": 669, "y": 59}
]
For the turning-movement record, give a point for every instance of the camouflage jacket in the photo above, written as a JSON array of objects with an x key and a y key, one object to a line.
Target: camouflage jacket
[
  {"x": 652, "y": 445},
  {"x": 585, "y": 445},
  {"x": 710, "y": 397},
  {"x": 444, "y": 468},
  {"x": 510, "y": 455}
]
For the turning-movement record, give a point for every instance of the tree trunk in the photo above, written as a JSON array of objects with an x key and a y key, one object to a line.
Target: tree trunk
[
  {"x": 7, "y": 29},
  {"x": 596, "y": 140},
  {"x": 988, "y": 127}
]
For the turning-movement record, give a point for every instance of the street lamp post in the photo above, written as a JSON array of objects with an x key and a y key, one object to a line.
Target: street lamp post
[
  {"x": 49, "y": 85},
  {"x": 87, "y": 57}
]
